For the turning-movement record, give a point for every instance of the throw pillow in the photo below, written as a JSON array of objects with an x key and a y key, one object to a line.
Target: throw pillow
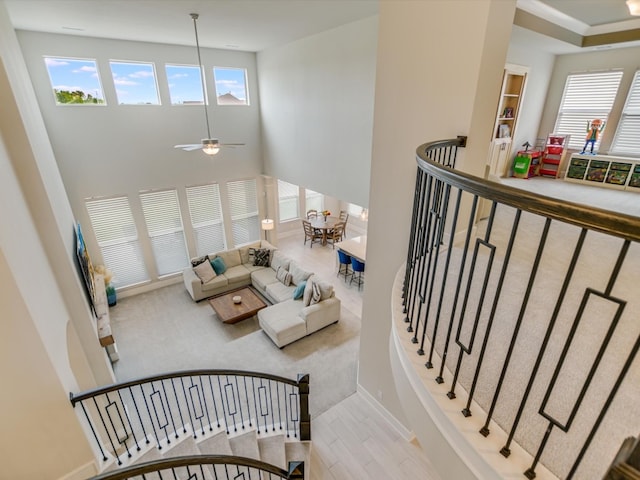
[
  {"x": 308, "y": 292},
  {"x": 218, "y": 265},
  {"x": 316, "y": 296},
  {"x": 197, "y": 261},
  {"x": 283, "y": 276},
  {"x": 298, "y": 274},
  {"x": 261, "y": 257},
  {"x": 299, "y": 291},
  {"x": 205, "y": 272}
]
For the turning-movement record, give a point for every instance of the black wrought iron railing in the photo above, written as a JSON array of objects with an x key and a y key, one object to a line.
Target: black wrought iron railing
[
  {"x": 529, "y": 305},
  {"x": 123, "y": 417},
  {"x": 200, "y": 467}
]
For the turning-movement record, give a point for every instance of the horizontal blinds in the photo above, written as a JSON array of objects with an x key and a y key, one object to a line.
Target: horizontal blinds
[
  {"x": 586, "y": 96},
  {"x": 288, "y": 199},
  {"x": 243, "y": 205},
  {"x": 314, "y": 200},
  {"x": 117, "y": 237},
  {"x": 205, "y": 210},
  {"x": 627, "y": 138},
  {"x": 164, "y": 224}
]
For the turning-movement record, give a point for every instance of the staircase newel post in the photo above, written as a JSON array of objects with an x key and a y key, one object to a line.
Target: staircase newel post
[
  {"x": 296, "y": 471},
  {"x": 305, "y": 418}
]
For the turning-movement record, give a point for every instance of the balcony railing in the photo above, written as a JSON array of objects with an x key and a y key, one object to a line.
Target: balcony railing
[{"x": 528, "y": 307}]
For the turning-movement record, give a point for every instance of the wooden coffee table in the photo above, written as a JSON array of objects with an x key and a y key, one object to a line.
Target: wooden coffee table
[{"x": 229, "y": 312}]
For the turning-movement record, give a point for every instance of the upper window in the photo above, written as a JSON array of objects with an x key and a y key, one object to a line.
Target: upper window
[
  {"x": 135, "y": 83},
  {"x": 586, "y": 97},
  {"x": 185, "y": 84},
  {"x": 75, "y": 81},
  {"x": 627, "y": 139},
  {"x": 288, "y": 197},
  {"x": 231, "y": 86}
]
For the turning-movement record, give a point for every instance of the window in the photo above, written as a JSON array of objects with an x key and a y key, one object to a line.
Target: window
[
  {"x": 164, "y": 224},
  {"x": 627, "y": 139},
  {"x": 314, "y": 200},
  {"x": 206, "y": 217},
  {"x": 135, "y": 83},
  {"x": 243, "y": 204},
  {"x": 586, "y": 96},
  {"x": 288, "y": 199},
  {"x": 185, "y": 84},
  {"x": 75, "y": 81},
  {"x": 117, "y": 237},
  {"x": 231, "y": 86},
  {"x": 355, "y": 210}
]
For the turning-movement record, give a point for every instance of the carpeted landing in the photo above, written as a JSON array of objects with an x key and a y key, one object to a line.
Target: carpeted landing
[{"x": 164, "y": 330}]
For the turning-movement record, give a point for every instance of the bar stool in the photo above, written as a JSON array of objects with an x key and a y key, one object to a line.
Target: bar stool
[
  {"x": 358, "y": 271},
  {"x": 344, "y": 265}
]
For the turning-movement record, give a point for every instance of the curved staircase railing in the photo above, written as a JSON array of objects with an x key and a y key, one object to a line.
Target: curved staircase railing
[
  {"x": 220, "y": 467},
  {"x": 525, "y": 306},
  {"x": 127, "y": 416}
]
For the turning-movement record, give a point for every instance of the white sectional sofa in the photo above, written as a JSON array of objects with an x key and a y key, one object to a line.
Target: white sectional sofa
[{"x": 288, "y": 319}]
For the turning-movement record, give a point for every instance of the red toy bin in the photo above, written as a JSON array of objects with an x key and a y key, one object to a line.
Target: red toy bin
[{"x": 554, "y": 150}]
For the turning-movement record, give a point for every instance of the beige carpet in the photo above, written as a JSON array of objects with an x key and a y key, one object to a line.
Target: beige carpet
[{"x": 164, "y": 330}]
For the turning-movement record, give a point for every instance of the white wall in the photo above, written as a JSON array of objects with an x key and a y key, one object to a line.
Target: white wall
[
  {"x": 317, "y": 110},
  {"x": 121, "y": 150},
  {"x": 439, "y": 69},
  {"x": 624, "y": 58}
]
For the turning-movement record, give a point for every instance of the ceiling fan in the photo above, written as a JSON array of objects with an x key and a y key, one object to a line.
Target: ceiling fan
[{"x": 208, "y": 145}]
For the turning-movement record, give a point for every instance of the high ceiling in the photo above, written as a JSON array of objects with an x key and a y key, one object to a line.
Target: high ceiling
[{"x": 254, "y": 25}]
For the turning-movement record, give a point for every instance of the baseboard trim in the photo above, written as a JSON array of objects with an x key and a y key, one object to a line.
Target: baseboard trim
[
  {"x": 405, "y": 433},
  {"x": 82, "y": 472}
]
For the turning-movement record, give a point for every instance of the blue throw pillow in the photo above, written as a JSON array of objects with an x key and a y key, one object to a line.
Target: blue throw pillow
[
  {"x": 218, "y": 265},
  {"x": 297, "y": 293}
]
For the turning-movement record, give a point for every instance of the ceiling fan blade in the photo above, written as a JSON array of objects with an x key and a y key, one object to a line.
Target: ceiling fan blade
[
  {"x": 231, "y": 144},
  {"x": 189, "y": 147}
]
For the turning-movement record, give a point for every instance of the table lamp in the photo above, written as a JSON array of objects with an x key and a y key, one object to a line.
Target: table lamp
[{"x": 267, "y": 224}]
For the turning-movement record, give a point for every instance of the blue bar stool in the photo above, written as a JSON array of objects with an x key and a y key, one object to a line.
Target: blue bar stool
[
  {"x": 358, "y": 271},
  {"x": 344, "y": 265}
]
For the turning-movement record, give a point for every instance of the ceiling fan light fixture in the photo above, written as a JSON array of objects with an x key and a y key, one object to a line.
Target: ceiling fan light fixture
[
  {"x": 634, "y": 7},
  {"x": 209, "y": 146}
]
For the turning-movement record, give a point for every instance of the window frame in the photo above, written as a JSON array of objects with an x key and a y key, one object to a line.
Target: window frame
[
  {"x": 286, "y": 195},
  {"x": 201, "y": 84},
  {"x": 198, "y": 196},
  {"x": 241, "y": 103},
  {"x": 155, "y": 83},
  {"x": 249, "y": 218},
  {"x": 629, "y": 120},
  {"x": 101, "y": 101}
]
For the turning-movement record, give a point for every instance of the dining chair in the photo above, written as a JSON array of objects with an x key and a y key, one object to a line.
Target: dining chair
[
  {"x": 344, "y": 216},
  {"x": 311, "y": 234},
  {"x": 344, "y": 265},
  {"x": 335, "y": 234},
  {"x": 312, "y": 214},
  {"x": 358, "y": 271}
]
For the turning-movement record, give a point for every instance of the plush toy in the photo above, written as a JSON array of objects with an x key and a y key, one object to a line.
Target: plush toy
[{"x": 594, "y": 128}]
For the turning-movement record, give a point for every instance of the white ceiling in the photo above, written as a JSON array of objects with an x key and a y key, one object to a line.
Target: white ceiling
[{"x": 254, "y": 25}]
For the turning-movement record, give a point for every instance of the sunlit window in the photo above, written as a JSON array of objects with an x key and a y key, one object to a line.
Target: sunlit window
[
  {"x": 231, "y": 86},
  {"x": 185, "y": 84},
  {"x": 135, "y": 83},
  {"x": 75, "y": 81}
]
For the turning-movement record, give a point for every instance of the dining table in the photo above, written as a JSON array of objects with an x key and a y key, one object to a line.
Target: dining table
[{"x": 324, "y": 224}]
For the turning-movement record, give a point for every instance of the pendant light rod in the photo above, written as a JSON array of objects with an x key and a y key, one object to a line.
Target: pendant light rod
[{"x": 195, "y": 16}]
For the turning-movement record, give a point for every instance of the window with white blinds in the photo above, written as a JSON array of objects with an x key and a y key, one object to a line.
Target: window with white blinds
[
  {"x": 288, "y": 201},
  {"x": 206, "y": 218},
  {"x": 586, "y": 96},
  {"x": 117, "y": 237},
  {"x": 243, "y": 205},
  {"x": 164, "y": 224},
  {"x": 627, "y": 139},
  {"x": 314, "y": 200}
]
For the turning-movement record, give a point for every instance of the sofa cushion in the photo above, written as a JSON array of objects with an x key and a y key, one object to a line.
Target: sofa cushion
[
  {"x": 282, "y": 323},
  {"x": 299, "y": 291},
  {"x": 219, "y": 265},
  {"x": 279, "y": 292},
  {"x": 297, "y": 273},
  {"x": 238, "y": 274},
  {"x": 204, "y": 271},
  {"x": 219, "y": 282},
  {"x": 263, "y": 277},
  {"x": 231, "y": 257},
  {"x": 283, "y": 276},
  {"x": 279, "y": 259},
  {"x": 244, "y": 252}
]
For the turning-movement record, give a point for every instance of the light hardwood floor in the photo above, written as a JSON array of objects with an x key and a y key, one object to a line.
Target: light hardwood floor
[{"x": 352, "y": 440}]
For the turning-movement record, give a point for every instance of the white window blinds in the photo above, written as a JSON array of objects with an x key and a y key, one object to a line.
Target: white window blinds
[
  {"x": 206, "y": 218},
  {"x": 243, "y": 205},
  {"x": 117, "y": 237},
  {"x": 314, "y": 200},
  {"x": 586, "y": 96},
  {"x": 164, "y": 224},
  {"x": 288, "y": 200},
  {"x": 627, "y": 139}
]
